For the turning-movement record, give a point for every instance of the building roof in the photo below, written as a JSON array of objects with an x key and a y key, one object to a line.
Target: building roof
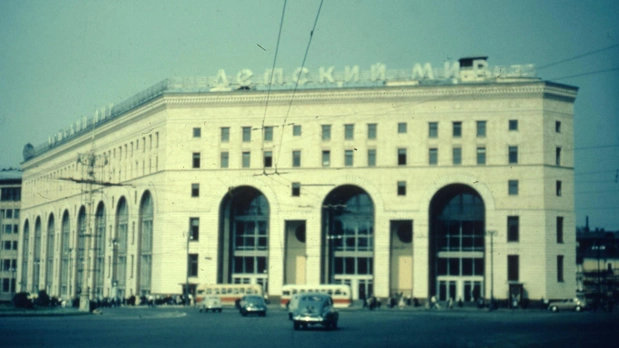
[{"x": 10, "y": 175}]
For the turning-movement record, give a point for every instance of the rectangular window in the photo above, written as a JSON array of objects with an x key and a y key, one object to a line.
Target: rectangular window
[
  {"x": 195, "y": 190},
  {"x": 481, "y": 129},
  {"x": 401, "y": 157},
  {"x": 481, "y": 155},
  {"x": 402, "y": 127},
  {"x": 268, "y": 133},
  {"x": 296, "y": 158},
  {"x": 456, "y": 155},
  {"x": 558, "y": 188},
  {"x": 9, "y": 212},
  {"x": 224, "y": 159},
  {"x": 513, "y": 125},
  {"x": 457, "y": 129},
  {"x": 246, "y": 134},
  {"x": 433, "y": 156},
  {"x": 197, "y": 132},
  {"x": 225, "y": 134},
  {"x": 326, "y": 158},
  {"x": 348, "y": 158},
  {"x": 268, "y": 159},
  {"x": 349, "y": 131},
  {"x": 433, "y": 130},
  {"x": 512, "y": 187},
  {"x": 7, "y": 245},
  {"x": 559, "y": 229},
  {"x": 196, "y": 160},
  {"x": 326, "y": 132},
  {"x": 194, "y": 229},
  {"x": 560, "y": 268},
  {"x": 513, "y": 154},
  {"x": 296, "y": 130},
  {"x": 246, "y": 159},
  {"x": 558, "y": 156},
  {"x": 296, "y": 189},
  {"x": 401, "y": 188},
  {"x": 513, "y": 228},
  {"x": 513, "y": 268},
  {"x": 192, "y": 265},
  {"x": 558, "y": 126},
  {"x": 371, "y": 130},
  {"x": 372, "y": 158}
]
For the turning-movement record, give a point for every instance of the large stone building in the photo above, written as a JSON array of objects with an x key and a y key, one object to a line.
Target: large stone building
[
  {"x": 456, "y": 182},
  {"x": 10, "y": 203}
]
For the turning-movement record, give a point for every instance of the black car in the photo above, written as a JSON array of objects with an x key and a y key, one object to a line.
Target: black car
[
  {"x": 252, "y": 304},
  {"x": 315, "y": 309}
]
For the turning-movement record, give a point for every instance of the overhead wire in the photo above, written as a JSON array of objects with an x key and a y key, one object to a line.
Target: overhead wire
[
  {"x": 576, "y": 57},
  {"x": 294, "y": 91}
]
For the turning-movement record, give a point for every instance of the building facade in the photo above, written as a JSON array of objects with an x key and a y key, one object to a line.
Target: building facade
[
  {"x": 10, "y": 204},
  {"x": 458, "y": 188}
]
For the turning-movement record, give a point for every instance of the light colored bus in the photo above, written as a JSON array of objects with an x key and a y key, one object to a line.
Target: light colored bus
[
  {"x": 228, "y": 293},
  {"x": 340, "y": 293}
]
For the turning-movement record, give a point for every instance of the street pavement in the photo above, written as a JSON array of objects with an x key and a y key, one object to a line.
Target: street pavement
[{"x": 176, "y": 326}]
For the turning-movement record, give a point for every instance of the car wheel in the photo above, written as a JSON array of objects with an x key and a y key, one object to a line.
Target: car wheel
[
  {"x": 243, "y": 313},
  {"x": 296, "y": 325},
  {"x": 220, "y": 309},
  {"x": 200, "y": 311},
  {"x": 334, "y": 325},
  {"x": 554, "y": 309},
  {"x": 578, "y": 309}
]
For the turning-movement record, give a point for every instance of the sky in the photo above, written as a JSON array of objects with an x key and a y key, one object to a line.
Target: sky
[{"x": 61, "y": 60}]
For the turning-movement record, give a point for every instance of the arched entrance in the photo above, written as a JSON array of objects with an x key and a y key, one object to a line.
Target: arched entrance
[
  {"x": 457, "y": 225},
  {"x": 243, "y": 237},
  {"x": 348, "y": 240}
]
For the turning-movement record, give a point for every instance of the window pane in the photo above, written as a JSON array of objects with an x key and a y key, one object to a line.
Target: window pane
[
  {"x": 197, "y": 132},
  {"x": 457, "y": 155},
  {"x": 246, "y": 134},
  {"x": 433, "y": 130},
  {"x": 326, "y": 158},
  {"x": 513, "y": 187},
  {"x": 481, "y": 128},
  {"x": 402, "y": 127},
  {"x": 268, "y": 133},
  {"x": 371, "y": 157},
  {"x": 513, "y": 154},
  {"x": 481, "y": 155},
  {"x": 457, "y": 129},
  {"x": 296, "y": 130},
  {"x": 349, "y": 130},
  {"x": 224, "y": 160},
  {"x": 372, "y": 131},
  {"x": 296, "y": 158},
  {"x": 348, "y": 158},
  {"x": 225, "y": 134},
  {"x": 326, "y": 132},
  {"x": 433, "y": 156},
  {"x": 402, "y": 157}
]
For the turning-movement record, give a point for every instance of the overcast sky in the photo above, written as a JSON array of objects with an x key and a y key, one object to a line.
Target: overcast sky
[{"x": 61, "y": 60}]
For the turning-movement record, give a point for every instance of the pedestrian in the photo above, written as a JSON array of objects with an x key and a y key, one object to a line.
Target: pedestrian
[
  {"x": 450, "y": 303},
  {"x": 434, "y": 303}
]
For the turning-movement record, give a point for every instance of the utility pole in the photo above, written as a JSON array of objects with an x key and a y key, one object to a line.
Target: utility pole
[{"x": 491, "y": 233}]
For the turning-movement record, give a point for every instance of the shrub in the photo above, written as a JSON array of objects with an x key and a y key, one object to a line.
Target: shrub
[{"x": 43, "y": 299}]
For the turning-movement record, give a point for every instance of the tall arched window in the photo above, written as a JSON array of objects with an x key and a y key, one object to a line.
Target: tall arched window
[
  {"x": 119, "y": 280},
  {"x": 82, "y": 225},
  {"x": 25, "y": 256},
  {"x": 457, "y": 244},
  {"x": 146, "y": 243},
  {"x": 348, "y": 239},
  {"x": 244, "y": 237},
  {"x": 38, "y": 257},
  {"x": 65, "y": 254},
  {"x": 100, "y": 234},
  {"x": 49, "y": 265}
]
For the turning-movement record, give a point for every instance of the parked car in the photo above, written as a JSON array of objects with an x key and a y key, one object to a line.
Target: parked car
[
  {"x": 315, "y": 309},
  {"x": 211, "y": 303},
  {"x": 574, "y": 304},
  {"x": 252, "y": 304}
]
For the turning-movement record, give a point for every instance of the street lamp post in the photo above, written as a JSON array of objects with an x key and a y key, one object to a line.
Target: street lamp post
[
  {"x": 491, "y": 233},
  {"x": 189, "y": 238}
]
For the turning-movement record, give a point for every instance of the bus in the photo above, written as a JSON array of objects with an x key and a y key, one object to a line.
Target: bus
[
  {"x": 340, "y": 293},
  {"x": 228, "y": 293}
]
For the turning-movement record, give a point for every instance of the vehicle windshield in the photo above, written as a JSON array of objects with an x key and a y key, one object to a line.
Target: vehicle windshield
[
  {"x": 316, "y": 302},
  {"x": 254, "y": 300}
]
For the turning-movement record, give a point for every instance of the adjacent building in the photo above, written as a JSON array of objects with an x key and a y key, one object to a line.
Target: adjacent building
[
  {"x": 455, "y": 182},
  {"x": 10, "y": 204}
]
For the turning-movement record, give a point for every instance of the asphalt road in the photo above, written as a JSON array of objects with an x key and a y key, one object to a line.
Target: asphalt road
[{"x": 176, "y": 327}]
